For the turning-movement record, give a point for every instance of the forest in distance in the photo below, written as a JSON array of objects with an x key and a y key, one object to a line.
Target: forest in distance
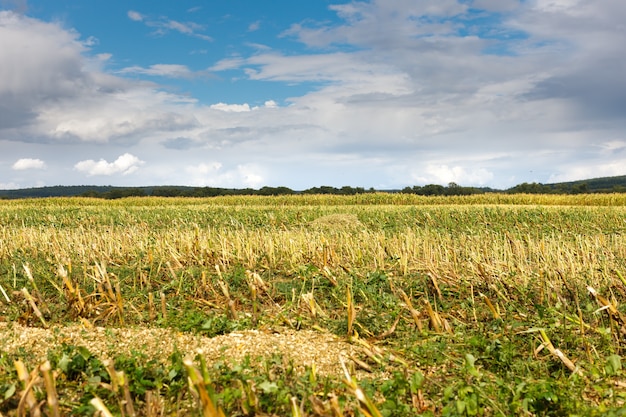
[{"x": 616, "y": 184}]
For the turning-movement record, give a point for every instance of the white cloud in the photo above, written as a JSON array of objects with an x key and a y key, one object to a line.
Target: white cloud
[
  {"x": 228, "y": 63},
  {"x": 254, "y": 26},
  {"x": 204, "y": 169},
  {"x": 613, "y": 145},
  {"x": 28, "y": 163},
  {"x": 163, "y": 25},
  {"x": 589, "y": 169},
  {"x": 496, "y": 5},
  {"x": 136, "y": 16},
  {"x": 125, "y": 164},
  {"x": 211, "y": 175},
  {"x": 444, "y": 174},
  {"x": 235, "y": 108},
  {"x": 9, "y": 186},
  {"x": 163, "y": 70},
  {"x": 427, "y": 92}
]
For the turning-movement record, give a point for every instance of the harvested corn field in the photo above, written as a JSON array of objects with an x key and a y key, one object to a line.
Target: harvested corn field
[{"x": 310, "y": 305}]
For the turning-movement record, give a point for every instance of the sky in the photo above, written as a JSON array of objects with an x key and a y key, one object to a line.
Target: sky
[{"x": 372, "y": 93}]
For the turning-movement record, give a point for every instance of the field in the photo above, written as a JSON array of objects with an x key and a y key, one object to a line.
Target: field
[{"x": 366, "y": 305}]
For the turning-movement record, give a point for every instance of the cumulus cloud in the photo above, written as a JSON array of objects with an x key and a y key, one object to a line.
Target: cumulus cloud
[
  {"x": 124, "y": 165},
  {"x": 24, "y": 87},
  {"x": 212, "y": 174},
  {"x": 444, "y": 174},
  {"x": 28, "y": 163}
]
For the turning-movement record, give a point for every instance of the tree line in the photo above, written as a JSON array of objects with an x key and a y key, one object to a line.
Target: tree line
[{"x": 597, "y": 185}]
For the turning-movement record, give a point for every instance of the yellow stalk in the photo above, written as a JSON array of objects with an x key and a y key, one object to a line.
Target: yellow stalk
[
  {"x": 606, "y": 305},
  {"x": 414, "y": 313},
  {"x": 28, "y": 398},
  {"x": 209, "y": 408},
  {"x": 97, "y": 403},
  {"x": 367, "y": 407},
  {"x": 493, "y": 310},
  {"x": 163, "y": 306},
  {"x": 31, "y": 301},
  {"x": 351, "y": 311},
  {"x": 435, "y": 319},
  {"x": 557, "y": 352},
  {"x": 621, "y": 277},
  {"x": 51, "y": 392},
  {"x": 296, "y": 410},
  {"x": 4, "y": 293}
]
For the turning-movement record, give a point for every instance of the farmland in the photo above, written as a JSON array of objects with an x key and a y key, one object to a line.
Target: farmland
[{"x": 374, "y": 304}]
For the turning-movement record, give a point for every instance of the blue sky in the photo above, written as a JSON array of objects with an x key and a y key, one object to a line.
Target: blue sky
[{"x": 378, "y": 93}]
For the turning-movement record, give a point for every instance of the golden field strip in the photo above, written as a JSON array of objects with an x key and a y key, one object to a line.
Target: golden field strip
[{"x": 490, "y": 304}]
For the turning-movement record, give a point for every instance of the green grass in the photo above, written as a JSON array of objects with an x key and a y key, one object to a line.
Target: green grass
[{"x": 485, "y": 275}]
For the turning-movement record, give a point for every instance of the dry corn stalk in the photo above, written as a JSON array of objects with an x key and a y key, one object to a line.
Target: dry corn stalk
[
  {"x": 27, "y": 398},
  {"x": 366, "y": 406},
  {"x": 36, "y": 294},
  {"x": 378, "y": 354},
  {"x": 120, "y": 382},
  {"x": 607, "y": 306},
  {"x": 414, "y": 313},
  {"x": 433, "y": 277},
  {"x": 72, "y": 292},
  {"x": 51, "y": 392},
  {"x": 296, "y": 410},
  {"x": 361, "y": 364},
  {"x": 621, "y": 278},
  {"x": 4, "y": 293},
  {"x": 391, "y": 330},
  {"x": 97, "y": 403},
  {"x": 114, "y": 304},
  {"x": 224, "y": 287},
  {"x": 351, "y": 311},
  {"x": 494, "y": 311},
  {"x": 31, "y": 301},
  {"x": 312, "y": 305},
  {"x": 250, "y": 401},
  {"x": 258, "y": 282},
  {"x": 163, "y": 305},
  {"x": 437, "y": 323},
  {"x": 329, "y": 275},
  {"x": 199, "y": 388},
  {"x": 546, "y": 342}
]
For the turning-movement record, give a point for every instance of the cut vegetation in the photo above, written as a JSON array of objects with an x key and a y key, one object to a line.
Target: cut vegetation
[{"x": 308, "y": 305}]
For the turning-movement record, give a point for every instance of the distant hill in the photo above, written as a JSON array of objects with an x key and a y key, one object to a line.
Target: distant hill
[
  {"x": 615, "y": 184},
  {"x": 603, "y": 184},
  {"x": 593, "y": 185}
]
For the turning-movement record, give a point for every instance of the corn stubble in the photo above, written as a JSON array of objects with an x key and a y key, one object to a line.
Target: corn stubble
[{"x": 451, "y": 265}]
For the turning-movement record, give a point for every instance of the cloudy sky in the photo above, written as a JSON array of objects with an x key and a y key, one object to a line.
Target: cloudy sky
[{"x": 371, "y": 93}]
